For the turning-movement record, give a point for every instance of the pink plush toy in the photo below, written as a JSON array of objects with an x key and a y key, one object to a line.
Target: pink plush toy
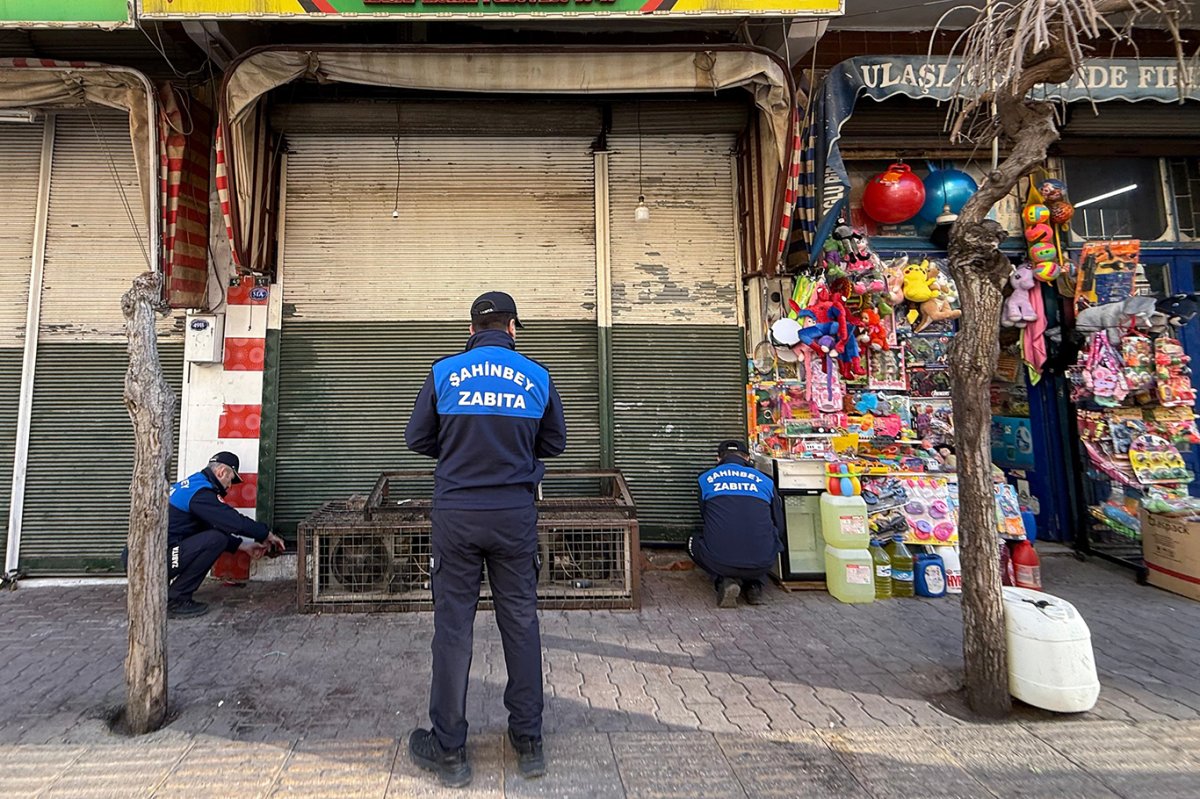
[{"x": 1018, "y": 308}]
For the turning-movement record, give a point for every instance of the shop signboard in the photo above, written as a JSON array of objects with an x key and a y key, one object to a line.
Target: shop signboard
[
  {"x": 373, "y": 9},
  {"x": 65, "y": 13},
  {"x": 939, "y": 78}
]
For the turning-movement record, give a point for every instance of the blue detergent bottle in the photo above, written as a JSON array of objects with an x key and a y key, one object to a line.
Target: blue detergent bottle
[{"x": 929, "y": 578}]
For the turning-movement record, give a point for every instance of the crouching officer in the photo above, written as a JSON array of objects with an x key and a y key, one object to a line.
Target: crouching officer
[
  {"x": 487, "y": 415},
  {"x": 200, "y": 527},
  {"x": 743, "y": 522}
]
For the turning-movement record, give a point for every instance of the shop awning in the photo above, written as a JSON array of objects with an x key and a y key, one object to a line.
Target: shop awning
[
  {"x": 492, "y": 70},
  {"x": 879, "y": 77}
]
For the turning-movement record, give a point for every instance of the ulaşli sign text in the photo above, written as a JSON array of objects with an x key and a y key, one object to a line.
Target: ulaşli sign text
[{"x": 1098, "y": 80}]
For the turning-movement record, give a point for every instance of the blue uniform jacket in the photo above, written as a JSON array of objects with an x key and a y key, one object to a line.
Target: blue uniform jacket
[
  {"x": 487, "y": 415},
  {"x": 195, "y": 506},
  {"x": 743, "y": 515}
]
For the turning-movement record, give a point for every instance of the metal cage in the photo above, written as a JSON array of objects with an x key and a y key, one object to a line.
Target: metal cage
[{"x": 374, "y": 555}]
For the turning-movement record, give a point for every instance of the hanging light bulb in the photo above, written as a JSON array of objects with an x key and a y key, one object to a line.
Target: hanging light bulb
[
  {"x": 947, "y": 217},
  {"x": 641, "y": 213}
]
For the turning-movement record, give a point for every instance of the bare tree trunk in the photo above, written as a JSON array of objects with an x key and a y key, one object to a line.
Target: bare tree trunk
[
  {"x": 151, "y": 404},
  {"x": 980, "y": 271},
  {"x": 973, "y": 360}
]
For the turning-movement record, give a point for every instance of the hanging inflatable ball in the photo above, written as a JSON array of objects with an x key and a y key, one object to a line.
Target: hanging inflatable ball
[
  {"x": 946, "y": 187},
  {"x": 893, "y": 196},
  {"x": 1039, "y": 232},
  {"x": 1035, "y": 215},
  {"x": 1047, "y": 271},
  {"x": 1061, "y": 213},
  {"x": 1042, "y": 252}
]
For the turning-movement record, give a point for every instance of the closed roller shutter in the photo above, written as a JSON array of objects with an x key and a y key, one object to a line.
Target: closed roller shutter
[
  {"x": 81, "y": 441},
  {"x": 370, "y": 302},
  {"x": 21, "y": 145},
  {"x": 678, "y": 351}
]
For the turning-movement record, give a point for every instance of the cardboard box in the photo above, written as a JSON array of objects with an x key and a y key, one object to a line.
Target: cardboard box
[{"x": 1171, "y": 549}]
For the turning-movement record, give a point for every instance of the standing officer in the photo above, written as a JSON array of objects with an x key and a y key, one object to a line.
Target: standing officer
[
  {"x": 200, "y": 527},
  {"x": 743, "y": 522},
  {"x": 487, "y": 415}
]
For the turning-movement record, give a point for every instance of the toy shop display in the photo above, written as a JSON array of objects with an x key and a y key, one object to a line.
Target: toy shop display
[{"x": 1133, "y": 392}]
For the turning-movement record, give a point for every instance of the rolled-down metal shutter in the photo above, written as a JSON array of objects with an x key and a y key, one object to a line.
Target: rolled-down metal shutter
[
  {"x": 371, "y": 301},
  {"x": 678, "y": 351},
  {"x": 76, "y": 512},
  {"x": 21, "y": 145}
]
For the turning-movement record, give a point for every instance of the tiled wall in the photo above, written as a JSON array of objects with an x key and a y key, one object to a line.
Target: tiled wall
[{"x": 224, "y": 401}]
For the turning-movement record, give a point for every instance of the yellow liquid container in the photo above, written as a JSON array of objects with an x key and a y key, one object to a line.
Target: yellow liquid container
[
  {"x": 848, "y": 574},
  {"x": 844, "y": 522}
]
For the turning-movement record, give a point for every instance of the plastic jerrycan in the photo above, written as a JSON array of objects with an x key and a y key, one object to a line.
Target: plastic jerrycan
[
  {"x": 929, "y": 578},
  {"x": 844, "y": 521},
  {"x": 902, "y": 567},
  {"x": 848, "y": 574}
]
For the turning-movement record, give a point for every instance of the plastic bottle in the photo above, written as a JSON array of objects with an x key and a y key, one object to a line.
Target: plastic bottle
[
  {"x": 883, "y": 571},
  {"x": 902, "y": 567},
  {"x": 1027, "y": 567},
  {"x": 844, "y": 521},
  {"x": 848, "y": 574},
  {"x": 953, "y": 566},
  {"x": 929, "y": 578}
]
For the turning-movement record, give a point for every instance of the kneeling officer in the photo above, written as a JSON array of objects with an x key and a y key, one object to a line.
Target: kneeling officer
[
  {"x": 743, "y": 521},
  {"x": 200, "y": 527}
]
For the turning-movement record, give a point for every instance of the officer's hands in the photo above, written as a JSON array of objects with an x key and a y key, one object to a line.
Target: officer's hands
[
  {"x": 252, "y": 548},
  {"x": 275, "y": 545}
]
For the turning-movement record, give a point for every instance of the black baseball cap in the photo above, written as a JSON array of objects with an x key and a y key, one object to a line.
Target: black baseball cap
[
  {"x": 732, "y": 445},
  {"x": 230, "y": 460},
  {"x": 495, "y": 302}
]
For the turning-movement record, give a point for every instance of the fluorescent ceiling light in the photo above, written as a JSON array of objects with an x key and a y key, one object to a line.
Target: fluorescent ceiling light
[
  {"x": 1106, "y": 195},
  {"x": 16, "y": 115}
]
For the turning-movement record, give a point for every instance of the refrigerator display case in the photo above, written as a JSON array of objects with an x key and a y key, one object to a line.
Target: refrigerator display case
[{"x": 800, "y": 485}]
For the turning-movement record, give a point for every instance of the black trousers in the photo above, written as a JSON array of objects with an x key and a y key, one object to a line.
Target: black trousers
[
  {"x": 463, "y": 540},
  {"x": 703, "y": 558},
  {"x": 191, "y": 559}
]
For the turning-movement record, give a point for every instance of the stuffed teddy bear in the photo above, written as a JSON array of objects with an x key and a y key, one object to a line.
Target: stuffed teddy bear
[{"x": 1018, "y": 308}]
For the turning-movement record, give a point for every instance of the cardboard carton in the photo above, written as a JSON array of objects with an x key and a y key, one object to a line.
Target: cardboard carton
[{"x": 1171, "y": 549}]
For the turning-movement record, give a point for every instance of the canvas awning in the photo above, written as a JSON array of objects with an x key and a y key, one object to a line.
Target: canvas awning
[
  {"x": 561, "y": 71},
  {"x": 44, "y": 83}
]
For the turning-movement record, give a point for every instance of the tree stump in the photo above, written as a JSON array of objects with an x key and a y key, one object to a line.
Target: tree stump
[{"x": 151, "y": 404}]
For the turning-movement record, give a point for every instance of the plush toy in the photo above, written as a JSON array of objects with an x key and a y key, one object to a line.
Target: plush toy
[
  {"x": 936, "y": 310},
  {"x": 894, "y": 275},
  {"x": 830, "y": 306},
  {"x": 1115, "y": 317},
  {"x": 1018, "y": 308},
  {"x": 1179, "y": 309},
  {"x": 820, "y": 336},
  {"x": 874, "y": 334},
  {"x": 918, "y": 287}
]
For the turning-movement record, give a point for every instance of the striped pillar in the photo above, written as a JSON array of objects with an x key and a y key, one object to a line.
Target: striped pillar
[{"x": 241, "y": 407}]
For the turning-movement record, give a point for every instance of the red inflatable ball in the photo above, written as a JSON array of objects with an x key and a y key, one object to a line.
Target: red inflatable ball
[{"x": 893, "y": 196}]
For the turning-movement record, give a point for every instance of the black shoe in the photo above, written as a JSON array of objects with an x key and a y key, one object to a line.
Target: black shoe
[
  {"x": 531, "y": 762},
  {"x": 727, "y": 593},
  {"x": 185, "y": 609},
  {"x": 753, "y": 591},
  {"x": 451, "y": 766}
]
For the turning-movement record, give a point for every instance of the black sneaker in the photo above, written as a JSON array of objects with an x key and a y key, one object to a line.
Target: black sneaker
[
  {"x": 727, "y": 593},
  {"x": 531, "y": 762},
  {"x": 185, "y": 609},
  {"x": 451, "y": 766},
  {"x": 754, "y": 592}
]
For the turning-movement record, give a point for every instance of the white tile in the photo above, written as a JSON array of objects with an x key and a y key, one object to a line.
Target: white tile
[
  {"x": 246, "y": 321},
  {"x": 245, "y": 448}
]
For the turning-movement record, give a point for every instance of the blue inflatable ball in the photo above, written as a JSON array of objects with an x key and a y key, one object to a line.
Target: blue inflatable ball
[{"x": 946, "y": 186}]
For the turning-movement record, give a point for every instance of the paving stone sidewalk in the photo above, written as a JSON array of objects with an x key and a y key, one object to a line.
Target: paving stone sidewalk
[{"x": 638, "y": 703}]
